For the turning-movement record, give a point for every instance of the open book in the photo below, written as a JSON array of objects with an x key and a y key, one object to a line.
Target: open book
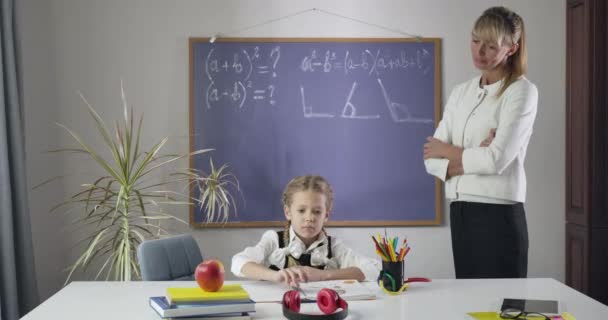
[{"x": 347, "y": 289}]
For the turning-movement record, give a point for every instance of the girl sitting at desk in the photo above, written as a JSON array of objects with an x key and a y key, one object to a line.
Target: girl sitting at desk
[{"x": 303, "y": 251}]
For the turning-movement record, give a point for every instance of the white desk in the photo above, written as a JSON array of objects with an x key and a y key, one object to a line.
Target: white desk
[{"x": 440, "y": 299}]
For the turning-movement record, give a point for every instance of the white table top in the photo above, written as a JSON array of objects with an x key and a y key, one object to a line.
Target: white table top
[{"x": 440, "y": 299}]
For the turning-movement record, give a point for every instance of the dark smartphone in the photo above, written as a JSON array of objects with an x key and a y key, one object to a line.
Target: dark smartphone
[{"x": 548, "y": 307}]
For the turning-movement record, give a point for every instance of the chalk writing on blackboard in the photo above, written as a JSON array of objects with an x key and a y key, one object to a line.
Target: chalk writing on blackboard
[
  {"x": 400, "y": 112},
  {"x": 244, "y": 63},
  {"x": 307, "y": 109},
  {"x": 356, "y": 111},
  {"x": 372, "y": 62},
  {"x": 350, "y": 111}
]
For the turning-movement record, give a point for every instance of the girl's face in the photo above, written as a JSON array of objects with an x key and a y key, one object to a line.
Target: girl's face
[
  {"x": 308, "y": 213},
  {"x": 488, "y": 56}
]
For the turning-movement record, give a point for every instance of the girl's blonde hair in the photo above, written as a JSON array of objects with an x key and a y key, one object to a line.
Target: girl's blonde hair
[
  {"x": 305, "y": 183},
  {"x": 501, "y": 25},
  {"x": 308, "y": 183}
]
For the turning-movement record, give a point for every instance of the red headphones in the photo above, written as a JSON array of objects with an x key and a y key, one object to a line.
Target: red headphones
[{"x": 328, "y": 301}]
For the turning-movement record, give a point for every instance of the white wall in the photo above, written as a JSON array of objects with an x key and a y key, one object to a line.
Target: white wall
[{"x": 88, "y": 46}]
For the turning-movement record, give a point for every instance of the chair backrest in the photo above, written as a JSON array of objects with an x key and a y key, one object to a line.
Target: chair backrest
[{"x": 172, "y": 258}]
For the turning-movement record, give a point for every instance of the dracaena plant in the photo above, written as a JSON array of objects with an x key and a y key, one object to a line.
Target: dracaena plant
[
  {"x": 125, "y": 205},
  {"x": 213, "y": 189}
]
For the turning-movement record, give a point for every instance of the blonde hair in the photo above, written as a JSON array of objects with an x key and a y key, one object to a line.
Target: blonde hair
[
  {"x": 306, "y": 183},
  {"x": 499, "y": 24}
]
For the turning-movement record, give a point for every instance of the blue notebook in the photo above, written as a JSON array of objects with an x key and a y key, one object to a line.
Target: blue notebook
[
  {"x": 215, "y": 308},
  {"x": 221, "y": 316}
]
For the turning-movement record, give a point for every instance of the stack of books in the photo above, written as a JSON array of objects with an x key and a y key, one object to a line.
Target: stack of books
[{"x": 230, "y": 302}]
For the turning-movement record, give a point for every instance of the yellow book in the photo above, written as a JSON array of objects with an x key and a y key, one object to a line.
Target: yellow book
[{"x": 228, "y": 292}]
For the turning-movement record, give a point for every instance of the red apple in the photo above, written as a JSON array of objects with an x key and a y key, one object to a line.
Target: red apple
[{"x": 209, "y": 275}]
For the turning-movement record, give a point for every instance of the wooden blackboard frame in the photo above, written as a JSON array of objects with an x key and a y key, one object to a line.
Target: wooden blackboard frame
[{"x": 370, "y": 223}]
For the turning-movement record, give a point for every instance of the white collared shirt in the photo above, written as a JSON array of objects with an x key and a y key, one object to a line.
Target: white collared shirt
[
  {"x": 267, "y": 253},
  {"x": 493, "y": 174}
]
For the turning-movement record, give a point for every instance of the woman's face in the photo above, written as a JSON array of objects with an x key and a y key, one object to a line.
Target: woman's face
[{"x": 488, "y": 56}]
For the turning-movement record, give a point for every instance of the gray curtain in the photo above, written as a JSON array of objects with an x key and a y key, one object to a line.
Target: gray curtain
[{"x": 18, "y": 291}]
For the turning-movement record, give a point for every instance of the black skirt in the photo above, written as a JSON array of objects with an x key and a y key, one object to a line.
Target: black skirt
[{"x": 489, "y": 240}]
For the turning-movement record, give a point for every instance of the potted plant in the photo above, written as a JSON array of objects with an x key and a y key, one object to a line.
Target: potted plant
[
  {"x": 213, "y": 189},
  {"x": 124, "y": 206}
]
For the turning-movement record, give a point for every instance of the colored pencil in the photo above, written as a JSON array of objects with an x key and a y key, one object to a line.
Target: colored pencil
[
  {"x": 379, "y": 250},
  {"x": 389, "y": 249}
]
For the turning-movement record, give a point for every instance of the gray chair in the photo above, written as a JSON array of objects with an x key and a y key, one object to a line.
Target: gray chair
[{"x": 172, "y": 258}]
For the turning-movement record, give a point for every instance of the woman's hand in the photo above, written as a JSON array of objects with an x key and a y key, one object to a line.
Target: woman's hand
[
  {"x": 455, "y": 165},
  {"x": 455, "y": 169},
  {"x": 487, "y": 141},
  {"x": 435, "y": 148}
]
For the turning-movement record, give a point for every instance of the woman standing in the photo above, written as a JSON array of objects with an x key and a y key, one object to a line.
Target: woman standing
[{"x": 479, "y": 149}]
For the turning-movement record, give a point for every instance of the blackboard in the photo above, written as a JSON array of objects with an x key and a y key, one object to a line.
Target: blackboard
[{"x": 356, "y": 111}]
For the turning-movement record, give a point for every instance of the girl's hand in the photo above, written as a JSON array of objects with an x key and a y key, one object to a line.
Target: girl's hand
[
  {"x": 313, "y": 274},
  {"x": 435, "y": 148},
  {"x": 487, "y": 141},
  {"x": 291, "y": 276},
  {"x": 294, "y": 275}
]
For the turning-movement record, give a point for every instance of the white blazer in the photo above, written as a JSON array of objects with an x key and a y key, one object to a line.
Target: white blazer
[{"x": 495, "y": 172}]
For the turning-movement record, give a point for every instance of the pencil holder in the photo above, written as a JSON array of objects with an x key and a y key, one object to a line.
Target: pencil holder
[{"x": 391, "y": 275}]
